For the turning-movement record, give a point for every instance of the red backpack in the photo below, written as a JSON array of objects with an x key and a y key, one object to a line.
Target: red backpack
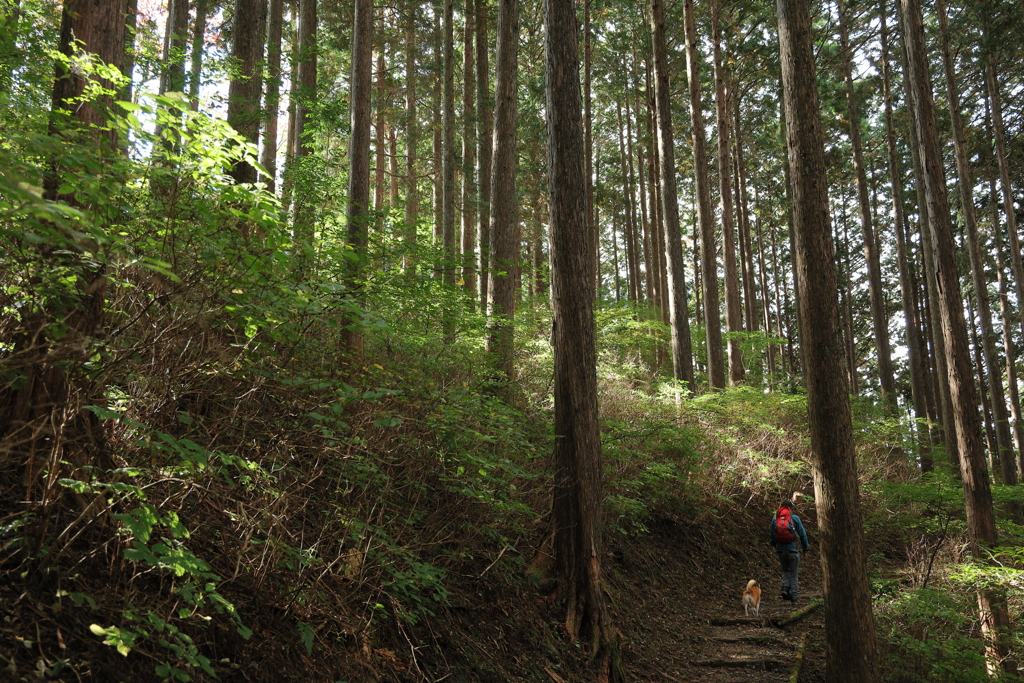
[{"x": 784, "y": 531}]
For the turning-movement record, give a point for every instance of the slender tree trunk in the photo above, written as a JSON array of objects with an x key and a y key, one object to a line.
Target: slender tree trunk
[
  {"x": 576, "y": 508},
  {"x": 1009, "y": 212},
  {"x": 198, "y": 48},
  {"x": 288, "y": 181},
  {"x": 469, "y": 124},
  {"x": 412, "y": 135},
  {"x": 246, "y": 84},
  {"x": 504, "y": 213},
  {"x": 358, "y": 214},
  {"x": 588, "y": 141},
  {"x": 940, "y": 387},
  {"x": 650, "y": 243},
  {"x": 750, "y": 279},
  {"x": 628, "y": 213},
  {"x": 438, "y": 163},
  {"x": 879, "y": 318},
  {"x": 1010, "y": 352},
  {"x": 915, "y": 346},
  {"x": 485, "y": 147},
  {"x": 302, "y": 139},
  {"x": 994, "y": 616},
  {"x": 449, "y": 248},
  {"x": 273, "y": 96},
  {"x": 679, "y": 320},
  {"x": 849, "y": 623},
  {"x": 379, "y": 134},
  {"x": 990, "y": 376},
  {"x": 705, "y": 219},
  {"x": 132, "y": 21},
  {"x": 640, "y": 246},
  {"x": 172, "y": 74},
  {"x": 733, "y": 303}
]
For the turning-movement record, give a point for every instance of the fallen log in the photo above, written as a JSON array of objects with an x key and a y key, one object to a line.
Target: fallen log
[
  {"x": 765, "y": 663},
  {"x": 794, "y": 675},
  {"x": 799, "y": 614}
]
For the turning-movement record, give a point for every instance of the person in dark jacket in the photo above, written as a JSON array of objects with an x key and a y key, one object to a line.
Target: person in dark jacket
[{"x": 789, "y": 551}]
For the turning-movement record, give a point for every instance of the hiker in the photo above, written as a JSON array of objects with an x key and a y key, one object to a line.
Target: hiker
[{"x": 787, "y": 536}]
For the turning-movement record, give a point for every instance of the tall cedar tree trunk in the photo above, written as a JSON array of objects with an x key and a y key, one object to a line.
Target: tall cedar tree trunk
[
  {"x": 485, "y": 148},
  {"x": 198, "y": 48},
  {"x": 640, "y": 249},
  {"x": 995, "y": 620},
  {"x": 1008, "y": 350},
  {"x": 246, "y": 84},
  {"x": 1007, "y": 324},
  {"x": 382, "y": 96},
  {"x": 849, "y": 623},
  {"x": 938, "y": 392},
  {"x": 650, "y": 267},
  {"x": 733, "y": 303},
  {"x": 359, "y": 164},
  {"x": 172, "y": 79},
  {"x": 302, "y": 140},
  {"x": 588, "y": 142},
  {"x": 990, "y": 374},
  {"x": 288, "y": 180},
  {"x": 448, "y": 246},
  {"x": 273, "y": 95},
  {"x": 632, "y": 274},
  {"x": 412, "y": 199},
  {"x": 750, "y": 278},
  {"x": 576, "y": 507},
  {"x": 705, "y": 218},
  {"x": 915, "y": 347},
  {"x": 1009, "y": 212},
  {"x": 172, "y": 75},
  {"x": 436, "y": 164},
  {"x": 44, "y": 426},
  {"x": 469, "y": 120},
  {"x": 679, "y": 318},
  {"x": 879, "y": 317},
  {"x": 504, "y": 213}
]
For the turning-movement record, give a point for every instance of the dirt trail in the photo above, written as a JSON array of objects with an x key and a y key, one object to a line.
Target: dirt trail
[{"x": 668, "y": 590}]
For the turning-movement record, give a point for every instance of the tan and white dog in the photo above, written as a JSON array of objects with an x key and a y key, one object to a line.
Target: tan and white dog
[{"x": 752, "y": 599}]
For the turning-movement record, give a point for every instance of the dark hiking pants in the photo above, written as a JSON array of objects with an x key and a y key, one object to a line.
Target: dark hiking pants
[{"x": 790, "y": 561}]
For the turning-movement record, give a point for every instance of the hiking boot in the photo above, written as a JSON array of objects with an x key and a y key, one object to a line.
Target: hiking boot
[{"x": 785, "y": 596}]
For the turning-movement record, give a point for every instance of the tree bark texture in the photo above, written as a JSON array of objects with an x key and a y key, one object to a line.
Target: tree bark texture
[
  {"x": 705, "y": 219},
  {"x": 576, "y": 509},
  {"x": 963, "y": 394},
  {"x": 469, "y": 123},
  {"x": 359, "y": 164},
  {"x": 485, "y": 147},
  {"x": 504, "y": 212},
  {"x": 412, "y": 200},
  {"x": 448, "y": 245},
  {"x": 990, "y": 375},
  {"x": 302, "y": 139},
  {"x": 273, "y": 96},
  {"x": 679, "y": 319},
  {"x": 876, "y": 292},
  {"x": 849, "y": 623},
  {"x": 198, "y": 48},
  {"x": 246, "y": 84},
  {"x": 733, "y": 302}
]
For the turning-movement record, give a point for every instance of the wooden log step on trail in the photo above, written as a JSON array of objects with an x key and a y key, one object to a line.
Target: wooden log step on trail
[
  {"x": 766, "y": 663},
  {"x": 766, "y": 639}
]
